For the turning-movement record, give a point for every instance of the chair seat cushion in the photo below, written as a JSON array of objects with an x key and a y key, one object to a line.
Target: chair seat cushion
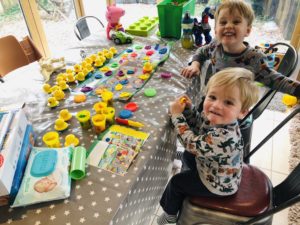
[{"x": 252, "y": 198}]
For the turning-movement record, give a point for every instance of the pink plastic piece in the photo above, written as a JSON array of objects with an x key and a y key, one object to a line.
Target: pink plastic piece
[{"x": 166, "y": 75}]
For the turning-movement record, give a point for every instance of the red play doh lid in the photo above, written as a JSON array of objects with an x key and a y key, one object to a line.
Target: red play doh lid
[{"x": 131, "y": 106}]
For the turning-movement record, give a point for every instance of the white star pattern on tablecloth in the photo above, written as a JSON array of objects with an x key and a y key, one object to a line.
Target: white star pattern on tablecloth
[
  {"x": 37, "y": 222},
  {"x": 67, "y": 212},
  {"x": 109, "y": 210},
  {"x": 106, "y": 199},
  {"x": 80, "y": 208},
  {"x": 38, "y": 211},
  {"x": 51, "y": 206},
  {"x": 53, "y": 217},
  {"x": 96, "y": 215},
  {"x": 82, "y": 220},
  {"x": 94, "y": 203},
  {"x": 9, "y": 221},
  {"x": 78, "y": 197},
  {"x": 92, "y": 193}
]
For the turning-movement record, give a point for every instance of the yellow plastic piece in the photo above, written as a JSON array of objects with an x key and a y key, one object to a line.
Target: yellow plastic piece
[
  {"x": 144, "y": 76},
  {"x": 59, "y": 94},
  {"x": 104, "y": 69},
  {"x": 99, "y": 122},
  {"x": 109, "y": 112},
  {"x": 79, "y": 98},
  {"x": 54, "y": 88},
  {"x": 51, "y": 139},
  {"x": 125, "y": 94},
  {"x": 80, "y": 76},
  {"x": 289, "y": 100},
  {"x": 65, "y": 115},
  {"x": 60, "y": 125},
  {"x": 70, "y": 78},
  {"x": 83, "y": 116},
  {"x": 47, "y": 88},
  {"x": 77, "y": 68},
  {"x": 113, "y": 50},
  {"x": 71, "y": 139},
  {"x": 100, "y": 106},
  {"x": 118, "y": 87},
  {"x": 63, "y": 85},
  {"x": 107, "y": 96},
  {"x": 147, "y": 67},
  {"x": 52, "y": 102}
]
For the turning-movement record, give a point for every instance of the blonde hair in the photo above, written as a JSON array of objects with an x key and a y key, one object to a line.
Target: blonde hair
[
  {"x": 240, "y": 6},
  {"x": 237, "y": 77}
]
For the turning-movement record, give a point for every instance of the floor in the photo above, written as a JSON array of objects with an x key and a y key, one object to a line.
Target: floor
[{"x": 272, "y": 158}]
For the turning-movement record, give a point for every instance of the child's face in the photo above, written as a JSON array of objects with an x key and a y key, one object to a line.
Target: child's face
[
  {"x": 231, "y": 29},
  {"x": 223, "y": 105}
]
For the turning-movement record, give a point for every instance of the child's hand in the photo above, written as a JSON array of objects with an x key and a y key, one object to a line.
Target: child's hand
[
  {"x": 192, "y": 70},
  {"x": 178, "y": 106}
]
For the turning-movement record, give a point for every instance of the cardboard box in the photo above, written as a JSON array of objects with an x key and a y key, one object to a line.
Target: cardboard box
[
  {"x": 9, "y": 154},
  {"x": 28, "y": 143}
]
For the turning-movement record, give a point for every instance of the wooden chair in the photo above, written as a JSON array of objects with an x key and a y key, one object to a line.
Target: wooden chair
[{"x": 12, "y": 55}]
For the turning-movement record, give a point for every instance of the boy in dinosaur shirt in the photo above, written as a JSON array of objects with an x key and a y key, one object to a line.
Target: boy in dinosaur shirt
[{"x": 213, "y": 137}]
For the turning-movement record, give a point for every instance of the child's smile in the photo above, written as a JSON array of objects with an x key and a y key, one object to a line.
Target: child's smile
[{"x": 230, "y": 30}]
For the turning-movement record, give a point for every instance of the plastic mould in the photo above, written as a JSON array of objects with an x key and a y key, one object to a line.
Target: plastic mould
[{"x": 143, "y": 27}]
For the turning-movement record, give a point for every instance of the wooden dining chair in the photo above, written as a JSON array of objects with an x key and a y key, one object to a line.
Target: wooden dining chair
[{"x": 12, "y": 55}]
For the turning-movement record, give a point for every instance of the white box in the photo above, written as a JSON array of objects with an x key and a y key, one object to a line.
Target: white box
[{"x": 9, "y": 154}]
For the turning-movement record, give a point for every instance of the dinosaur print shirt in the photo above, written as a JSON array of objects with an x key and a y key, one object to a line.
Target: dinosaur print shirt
[
  {"x": 250, "y": 58},
  {"x": 218, "y": 150}
]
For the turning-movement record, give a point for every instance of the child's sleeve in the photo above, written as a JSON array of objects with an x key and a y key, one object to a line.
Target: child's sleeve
[
  {"x": 211, "y": 143},
  {"x": 274, "y": 79},
  {"x": 203, "y": 53}
]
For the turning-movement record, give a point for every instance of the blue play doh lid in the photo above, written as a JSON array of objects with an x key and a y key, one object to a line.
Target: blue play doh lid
[{"x": 44, "y": 163}]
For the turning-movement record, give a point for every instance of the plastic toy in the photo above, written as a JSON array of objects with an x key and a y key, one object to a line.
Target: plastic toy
[
  {"x": 143, "y": 27},
  {"x": 63, "y": 85},
  {"x": 99, "y": 107},
  {"x": 289, "y": 100},
  {"x": 99, "y": 122},
  {"x": 51, "y": 139},
  {"x": 58, "y": 94},
  {"x": 84, "y": 117},
  {"x": 107, "y": 96},
  {"x": 113, "y": 15},
  {"x": 129, "y": 122},
  {"x": 47, "y": 88},
  {"x": 125, "y": 114},
  {"x": 150, "y": 92},
  {"x": 48, "y": 66},
  {"x": 60, "y": 125},
  {"x": 121, "y": 38},
  {"x": 109, "y": 113},
  {"x": 147, "y": 68},
  {"x": 71, "y": 139},
  {"x": 166, "y": 75},
  {"x": 203, "y": 27},
  {"x": 183, "y": 100},
  {"x": 65, "y": 115},
  {"x": 77, "y": 171},
  {"x": 131, "y": 106},
  {"x": 79, "y": 98},
  {"x": 52, "y": 102},
  {"x": 187, "y": 40}
]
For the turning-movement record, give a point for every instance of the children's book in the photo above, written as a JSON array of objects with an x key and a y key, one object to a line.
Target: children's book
[
  {"x": 117, "y": 149},
  {"x": 117, "y": 159}
]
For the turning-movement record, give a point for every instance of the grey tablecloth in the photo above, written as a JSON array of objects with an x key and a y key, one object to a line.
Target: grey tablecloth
[{"x": 104, "y": 198}]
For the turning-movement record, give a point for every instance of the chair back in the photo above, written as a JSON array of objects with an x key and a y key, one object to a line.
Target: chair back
[
  {"x": 82, "y": 28},
  {"x": 286, "y": 68},
  {"x": 289, "y": 189},
  {"x": 12, "y": 55}
]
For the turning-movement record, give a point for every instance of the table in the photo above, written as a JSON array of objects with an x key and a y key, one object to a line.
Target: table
[{"x": 102, "y": 197}]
